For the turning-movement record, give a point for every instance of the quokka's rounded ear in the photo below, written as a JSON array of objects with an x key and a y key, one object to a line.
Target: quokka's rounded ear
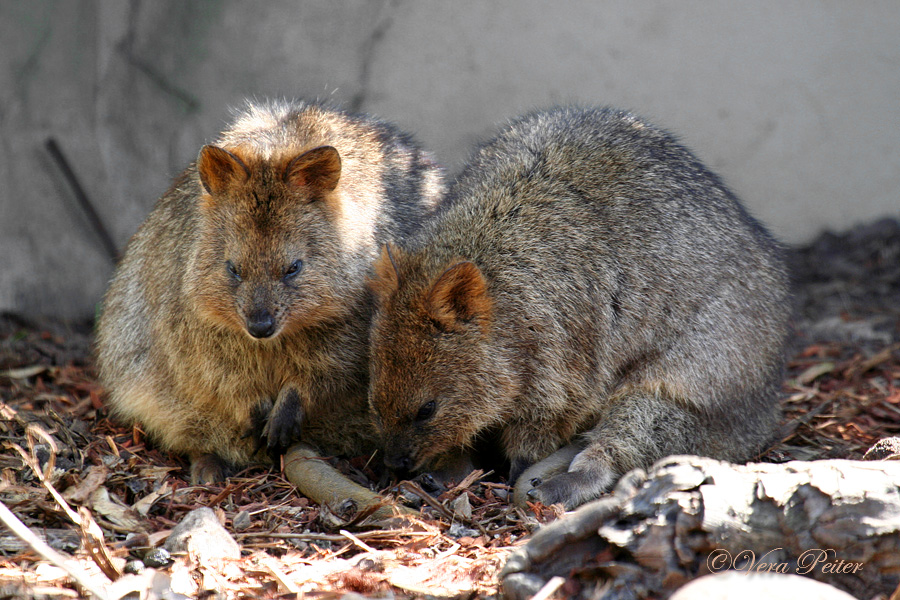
[
  {"x": 218, "y": 169},
  {"x": 459, "y": 296},
  {"x": 387, "y": 277},
  {"x": 319, "y": 168}
]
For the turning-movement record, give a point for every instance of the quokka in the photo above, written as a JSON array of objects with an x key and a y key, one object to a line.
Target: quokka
[
  {"x": 241, "y": 305},
  {"x": 591, "y": 286}
]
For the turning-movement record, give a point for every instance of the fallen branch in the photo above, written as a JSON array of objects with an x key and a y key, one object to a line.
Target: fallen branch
[
  {"x": 325, "y": 485},
  {"x": 837, "y": 521}
]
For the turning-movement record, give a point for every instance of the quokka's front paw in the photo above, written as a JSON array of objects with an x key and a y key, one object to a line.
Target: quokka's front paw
[
  {"x": 259, "y": 416},
  {"x": 284, "y": 422}
]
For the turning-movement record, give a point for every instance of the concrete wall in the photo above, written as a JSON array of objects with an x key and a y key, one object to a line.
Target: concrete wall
[{"x": 795, "y": 104}]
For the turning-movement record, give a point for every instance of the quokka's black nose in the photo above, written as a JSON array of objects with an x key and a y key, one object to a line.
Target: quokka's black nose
[
  {"x": 400, "y": 463},
  {"x": 261, "y": 324}
]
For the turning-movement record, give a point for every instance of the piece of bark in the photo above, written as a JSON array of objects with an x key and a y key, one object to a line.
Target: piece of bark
[
  {"x": 884, "y": 449},
  {"x": 837, "y": 521},
  {"x": 61, "y": 540},
  {"x": 323, "y": 484},
  {"x": 202, "y": 536}
]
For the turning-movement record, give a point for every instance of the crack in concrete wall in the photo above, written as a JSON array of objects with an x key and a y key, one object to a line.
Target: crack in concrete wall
[{"x": 368, "y": 53}]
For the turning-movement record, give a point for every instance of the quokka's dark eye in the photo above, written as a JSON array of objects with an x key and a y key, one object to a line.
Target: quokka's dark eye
[
  {"x": 232, "y": 270},
  {"x": 426, "y": 412},
  {"x": 293, "y": 270}
]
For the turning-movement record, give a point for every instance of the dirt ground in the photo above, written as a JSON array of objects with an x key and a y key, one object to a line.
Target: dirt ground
[{"x": 841, "y": 394}]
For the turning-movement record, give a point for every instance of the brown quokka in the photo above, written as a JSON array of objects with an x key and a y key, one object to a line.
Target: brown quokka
[
  {"x": 241, "y": 303},
  {"x": 591, "y": 285}
]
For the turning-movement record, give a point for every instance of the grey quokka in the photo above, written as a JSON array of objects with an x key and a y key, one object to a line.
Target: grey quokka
[{"x": 591, "y": 286}]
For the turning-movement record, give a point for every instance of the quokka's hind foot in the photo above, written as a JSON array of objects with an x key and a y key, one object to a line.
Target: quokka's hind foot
[
  {"x": 573, "y": 488},
  {"x": 640, "y": 427},
  {"x": 544, "y": 470},
  {"x": 209, "y": 468}
]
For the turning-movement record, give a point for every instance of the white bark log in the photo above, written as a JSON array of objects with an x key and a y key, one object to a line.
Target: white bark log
[{"x": 837, "y": 521}]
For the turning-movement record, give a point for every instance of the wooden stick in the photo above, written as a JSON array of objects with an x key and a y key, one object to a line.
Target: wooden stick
[{"x": 323, "y": 484}]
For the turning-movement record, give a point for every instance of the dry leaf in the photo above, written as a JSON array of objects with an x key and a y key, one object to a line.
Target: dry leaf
[
  {"x": 92, "y": 538},
  {"x": 24, "y": 372},
  {"x": 94, "y": 477},
  {"x": 814, "y": 372},
  {"x": 143, "y": 506},
  {"x": 114, "y": 511},
  {"x": 452, "y": 576},
  {"x": 462, "y": 507}
]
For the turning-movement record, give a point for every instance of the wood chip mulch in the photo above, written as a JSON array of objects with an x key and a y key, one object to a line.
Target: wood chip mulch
[{"x": 64, "y": 462}]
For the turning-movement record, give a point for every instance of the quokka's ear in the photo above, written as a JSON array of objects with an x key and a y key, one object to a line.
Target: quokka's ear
[
  {"x": 319, "y": 168},
  {"x": 219, "y": 169},
  {"x": 459, "y": 296},
  {"x": 387, "y": 277}
]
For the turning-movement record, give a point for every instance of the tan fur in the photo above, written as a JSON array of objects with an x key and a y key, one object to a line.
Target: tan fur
[
  {"x": 590, "y": 283},
  {"x": 287, "y": 184}
]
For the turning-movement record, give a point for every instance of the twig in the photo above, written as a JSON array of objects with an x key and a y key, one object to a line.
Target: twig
[
  {"x": 416, "y": 489},
  {"x": 91, "y": 534},
  {"x": 229, "y": 490},
  {"x": 330, "y": 537},
  {"x": 468, "y": 480},
  {"x": 48, "y": 553},
  {"x": 427, "y": 499},
  {"x": 448, "y": 552},
  {"x": 33, "y": 464},
  {"x": 549, "y": 588},
  {"x": 280, "y": 576},
  {"x": 357, "y": 541},
  {"x": 92, "y": 537}
]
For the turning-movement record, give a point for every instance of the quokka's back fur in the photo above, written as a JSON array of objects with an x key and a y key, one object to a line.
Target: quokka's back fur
[
  {"x": 590, "y": 283},
  {"x": 245, "y": 286}
]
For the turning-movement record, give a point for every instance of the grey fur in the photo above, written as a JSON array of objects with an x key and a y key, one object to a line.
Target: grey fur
[{"x": 631, "y": 303}]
